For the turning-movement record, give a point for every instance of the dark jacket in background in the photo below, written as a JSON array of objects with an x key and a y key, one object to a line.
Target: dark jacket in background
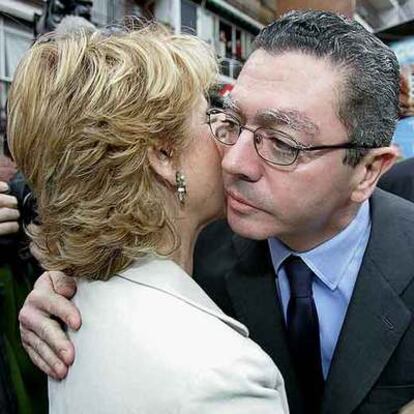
[
  {"x": 24, "y": 385},
  {"x": 399, "y": 179}
]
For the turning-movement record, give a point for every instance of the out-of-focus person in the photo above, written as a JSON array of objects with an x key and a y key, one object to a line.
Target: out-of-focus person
[
  {"x": 125, "y": 173},
  {"x": 9, "y": 213},
  {"x": 22, "y": 385}
]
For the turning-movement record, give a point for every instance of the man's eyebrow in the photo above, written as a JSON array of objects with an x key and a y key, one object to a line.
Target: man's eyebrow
[
  {"x": 230, "y": 103},
  {"x": 291, "y": 118}
]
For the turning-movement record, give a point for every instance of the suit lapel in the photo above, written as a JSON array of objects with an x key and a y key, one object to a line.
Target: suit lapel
[
  {"x": 371, "y": 331},
  {"x": 377, "y": 318},
  {"x": 252, "y": 289}
]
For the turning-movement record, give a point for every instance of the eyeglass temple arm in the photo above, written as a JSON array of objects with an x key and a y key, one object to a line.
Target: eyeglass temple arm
[{"x": 347, "y": 145}]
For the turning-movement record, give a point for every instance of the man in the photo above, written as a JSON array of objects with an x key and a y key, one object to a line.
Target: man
[{"x": 321, "y": 268}]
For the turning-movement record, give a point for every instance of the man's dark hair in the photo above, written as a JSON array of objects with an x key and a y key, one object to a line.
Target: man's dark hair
[{"x": 368, "y": 103}]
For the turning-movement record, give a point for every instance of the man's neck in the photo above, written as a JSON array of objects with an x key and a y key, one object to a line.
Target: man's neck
[{"x": 305, "y": 241}]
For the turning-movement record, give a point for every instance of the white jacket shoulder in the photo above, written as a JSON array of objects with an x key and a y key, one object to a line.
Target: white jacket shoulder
[{"x": 162, "y": 348}]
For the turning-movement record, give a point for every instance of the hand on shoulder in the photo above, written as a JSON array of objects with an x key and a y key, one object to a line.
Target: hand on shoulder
[{"x": 45, "y": 308}]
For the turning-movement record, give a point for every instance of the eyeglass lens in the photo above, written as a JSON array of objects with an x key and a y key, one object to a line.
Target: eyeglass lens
[{"x": 271, "y": 145}]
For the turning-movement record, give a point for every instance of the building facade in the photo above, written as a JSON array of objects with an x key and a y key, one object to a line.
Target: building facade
[
  {"x": 229, "y": 26},
  {"x": 17, "y": 19}
]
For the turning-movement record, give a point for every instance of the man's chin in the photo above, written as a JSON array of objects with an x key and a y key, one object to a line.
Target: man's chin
[{"x": 246, "y": 227}]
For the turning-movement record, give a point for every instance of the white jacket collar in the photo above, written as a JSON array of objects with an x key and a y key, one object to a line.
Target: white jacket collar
[{"x": 166, "y": 276}]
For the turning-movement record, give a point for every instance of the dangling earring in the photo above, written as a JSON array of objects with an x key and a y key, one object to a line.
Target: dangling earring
[{"x": 181, "y": 187}]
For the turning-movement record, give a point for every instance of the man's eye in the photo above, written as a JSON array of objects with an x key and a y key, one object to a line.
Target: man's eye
[
  {"x": 226, "y": 128},
  {"x": 230, "y": 124},
  {"x": 280, "y": 145},
  {"x": 275, "y": 141}
]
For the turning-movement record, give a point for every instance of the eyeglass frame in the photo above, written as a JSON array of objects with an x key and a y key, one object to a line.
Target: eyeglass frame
[{"x": 298, "y": 148}]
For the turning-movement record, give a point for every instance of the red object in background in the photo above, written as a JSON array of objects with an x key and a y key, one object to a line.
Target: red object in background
[{"x": 226, "y": 89}]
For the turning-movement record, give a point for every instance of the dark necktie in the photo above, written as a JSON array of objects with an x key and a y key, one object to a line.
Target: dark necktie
[{"x": 303, "y": 332}]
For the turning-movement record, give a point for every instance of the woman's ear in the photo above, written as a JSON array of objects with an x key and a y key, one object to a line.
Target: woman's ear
[{"x": 162, "y": 163}]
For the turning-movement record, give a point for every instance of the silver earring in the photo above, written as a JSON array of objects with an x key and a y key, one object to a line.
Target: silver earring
[{"x": 181, "y": 187}]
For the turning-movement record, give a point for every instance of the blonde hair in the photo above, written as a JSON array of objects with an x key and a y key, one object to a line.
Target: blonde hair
[{"x": 84, "y": 109}]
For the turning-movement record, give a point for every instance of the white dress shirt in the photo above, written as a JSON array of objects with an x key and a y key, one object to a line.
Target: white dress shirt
[{"x": 336, "y": 264}]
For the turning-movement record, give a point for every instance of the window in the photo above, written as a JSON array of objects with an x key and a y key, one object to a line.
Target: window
[
  {"x": 206, "y": 25},
  {"x": 15, "y": 39},
  {"x": 233, "y": 45},
  {"x": 232, "y": 41},
  {"x": 225, "y": 40},
  {"x": 102, "y": 12},
  {"x": 188, "y": 17}
]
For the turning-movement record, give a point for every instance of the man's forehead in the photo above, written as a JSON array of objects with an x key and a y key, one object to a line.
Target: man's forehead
[{"x": 294, "y": 71}]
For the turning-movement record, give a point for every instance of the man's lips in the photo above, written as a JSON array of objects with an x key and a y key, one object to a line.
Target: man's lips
[{"x": 237, "y": 202}]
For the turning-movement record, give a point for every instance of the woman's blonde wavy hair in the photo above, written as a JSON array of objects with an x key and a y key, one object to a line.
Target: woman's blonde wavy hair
[{"x": 84, "y": 109}]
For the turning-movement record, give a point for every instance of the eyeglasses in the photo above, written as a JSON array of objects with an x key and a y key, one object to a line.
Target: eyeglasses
[{"x": 274, "y": 146}]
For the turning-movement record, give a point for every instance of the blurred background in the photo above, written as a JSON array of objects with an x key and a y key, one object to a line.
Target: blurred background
[{"x": 229, "y": 25}]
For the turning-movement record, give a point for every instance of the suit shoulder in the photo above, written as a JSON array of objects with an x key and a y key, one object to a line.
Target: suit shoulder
[
  {"x": 392, "y": 206},
  {"x": 401, "y": 169},
  {"x": 400, "y": 180}
]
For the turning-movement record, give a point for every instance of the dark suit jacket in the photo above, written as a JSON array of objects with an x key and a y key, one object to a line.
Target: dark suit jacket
[
  {"x": 372, "y": 371},
  {"x": 400, "y": 179}
]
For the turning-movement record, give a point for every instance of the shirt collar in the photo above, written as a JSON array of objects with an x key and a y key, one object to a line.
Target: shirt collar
[{"x": 330, "y": 259}]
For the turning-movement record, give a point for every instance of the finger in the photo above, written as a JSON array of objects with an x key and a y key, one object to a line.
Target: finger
[
  {"x": 9, "y": 227},
  {"x": 54, "y": 281},
  {"x": 8, "y": 201},
  {"x": 56, "y": 304},
  {"x": 9, "y": 214},
  {"x": 45, "y": 335},
  {"x": 42, "y": 365},
  {"x": 62, "y": 284},
  {"x": 44, "y": 352},
  {"x": 39, "y": 362},
  {"x": 44, "y": 282},
  {"x": 43, "y": 299}
]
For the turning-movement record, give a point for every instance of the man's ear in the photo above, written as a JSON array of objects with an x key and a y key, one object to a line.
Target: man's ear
[
  {"x": 369, "y": 170},
  {"x": 162, "y": 163}
]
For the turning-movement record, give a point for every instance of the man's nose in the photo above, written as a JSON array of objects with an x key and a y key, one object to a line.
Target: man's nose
[{"x": 241, "y": 159}]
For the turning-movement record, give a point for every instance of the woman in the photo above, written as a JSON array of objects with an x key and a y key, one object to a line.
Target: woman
[{"x": 110, "y": 130}]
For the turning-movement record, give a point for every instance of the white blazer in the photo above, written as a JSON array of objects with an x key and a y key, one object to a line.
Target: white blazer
[{"x": 153, "y": 342}]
